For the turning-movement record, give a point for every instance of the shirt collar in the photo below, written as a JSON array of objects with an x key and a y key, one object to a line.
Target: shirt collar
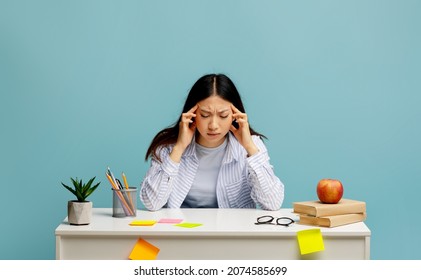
[{"x": 230, "y": 155}]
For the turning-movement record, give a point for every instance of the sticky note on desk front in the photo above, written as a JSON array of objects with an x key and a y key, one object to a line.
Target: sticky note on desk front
[
  {"x": 144, "y": 250},
  {"x": 188, "y": 225},
  {"x": 143, "y": 223},
  {"x": 310, "y": 241}
]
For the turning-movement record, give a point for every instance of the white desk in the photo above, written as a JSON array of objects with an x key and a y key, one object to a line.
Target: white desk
[{"x": 225, "y": 234}]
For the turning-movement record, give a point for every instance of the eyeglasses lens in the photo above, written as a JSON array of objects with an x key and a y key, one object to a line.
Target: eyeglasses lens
[
  {"x": 265, "y": 220},
  {"x": 284, "y": 221}
]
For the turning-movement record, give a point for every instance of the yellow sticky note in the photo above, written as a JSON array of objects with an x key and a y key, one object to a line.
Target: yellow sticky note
[
  {"x": 310, "y": 241},
  {"x": 144, "y": 250},
  {"x": 143, "y": 223},
  {"x": 188, "y": 225}
]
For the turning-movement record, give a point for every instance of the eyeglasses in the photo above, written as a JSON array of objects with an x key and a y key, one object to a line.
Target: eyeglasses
[{"x": 269, "y": 220}]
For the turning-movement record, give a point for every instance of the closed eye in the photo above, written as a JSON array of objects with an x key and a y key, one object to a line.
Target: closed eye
[{"x": 204, "y": 116}]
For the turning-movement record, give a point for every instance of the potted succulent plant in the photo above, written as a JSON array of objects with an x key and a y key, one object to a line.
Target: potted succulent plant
[{"x": 79, "y": 211}]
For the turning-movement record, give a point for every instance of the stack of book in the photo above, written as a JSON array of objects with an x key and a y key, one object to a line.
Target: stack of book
[{"x": 316, "y": 213}]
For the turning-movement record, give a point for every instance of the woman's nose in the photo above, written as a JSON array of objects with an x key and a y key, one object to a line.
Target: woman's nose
[{"x": 213, "y": 124}]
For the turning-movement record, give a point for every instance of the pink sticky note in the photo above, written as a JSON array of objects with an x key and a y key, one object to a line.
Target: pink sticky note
[{"x": 170, "y": 221}]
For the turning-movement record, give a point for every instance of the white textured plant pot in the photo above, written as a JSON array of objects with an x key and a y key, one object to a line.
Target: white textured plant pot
[{"x": 79, "y": 213}]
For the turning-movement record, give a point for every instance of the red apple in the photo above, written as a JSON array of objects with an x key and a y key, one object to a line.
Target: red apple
[{"x": 330, "y": 191}]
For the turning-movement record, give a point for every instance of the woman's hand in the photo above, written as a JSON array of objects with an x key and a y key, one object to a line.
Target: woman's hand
[
  {"x": 187, "y": 128},
  {"x": 242, "y": 133}
]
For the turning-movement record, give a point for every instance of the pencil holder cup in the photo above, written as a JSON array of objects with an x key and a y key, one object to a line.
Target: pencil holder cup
[{"x": 124, "y": 202}]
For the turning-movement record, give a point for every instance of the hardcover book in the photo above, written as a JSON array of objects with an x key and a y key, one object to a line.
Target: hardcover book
[
  {"x": 319, "y": 209},
  {"x": 332, "y": 221}
]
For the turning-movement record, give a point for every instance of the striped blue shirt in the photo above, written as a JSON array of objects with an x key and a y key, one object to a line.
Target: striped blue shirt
[{"x": 243, "y": 182}]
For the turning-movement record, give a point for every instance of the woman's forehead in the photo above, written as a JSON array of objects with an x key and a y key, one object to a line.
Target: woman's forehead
[{"x": 214, "y": 104}]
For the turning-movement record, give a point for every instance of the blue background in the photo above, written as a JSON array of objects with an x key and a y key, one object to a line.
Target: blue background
[{"x": 334, "y": 85}]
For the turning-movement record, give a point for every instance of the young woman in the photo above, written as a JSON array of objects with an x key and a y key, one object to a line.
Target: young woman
[{"x": 211, "y": 158}]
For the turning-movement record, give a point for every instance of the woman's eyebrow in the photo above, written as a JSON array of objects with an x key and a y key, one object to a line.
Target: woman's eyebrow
[
  {"x": 210, "y": 111},
  {"x": 205, "y": 111}
]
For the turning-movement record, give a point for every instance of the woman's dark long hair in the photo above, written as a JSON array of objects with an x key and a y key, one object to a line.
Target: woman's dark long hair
[{"x": 206, "y": 86}]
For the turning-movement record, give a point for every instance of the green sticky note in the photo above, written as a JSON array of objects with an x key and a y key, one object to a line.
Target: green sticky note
[
  {"x": 188, "y": 225},
  {"x": 310, "y": 241}
]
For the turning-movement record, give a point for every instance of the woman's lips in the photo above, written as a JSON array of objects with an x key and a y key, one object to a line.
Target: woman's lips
[{"x": 213, "y": 134}]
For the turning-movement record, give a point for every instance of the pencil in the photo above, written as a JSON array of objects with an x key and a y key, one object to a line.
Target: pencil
[
  {"x": 127, "y": 187},
  {"x": 125, "y": 180}
]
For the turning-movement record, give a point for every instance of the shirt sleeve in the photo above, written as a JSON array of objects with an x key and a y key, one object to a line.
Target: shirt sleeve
[
  {"x": 267, "y": 189},
  {"x": 157, "y": 185}
]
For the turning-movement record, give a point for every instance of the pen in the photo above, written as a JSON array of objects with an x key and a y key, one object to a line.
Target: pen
[
  {"x": 120, "y": 186},
  {"x": 112, "y": 177}
]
